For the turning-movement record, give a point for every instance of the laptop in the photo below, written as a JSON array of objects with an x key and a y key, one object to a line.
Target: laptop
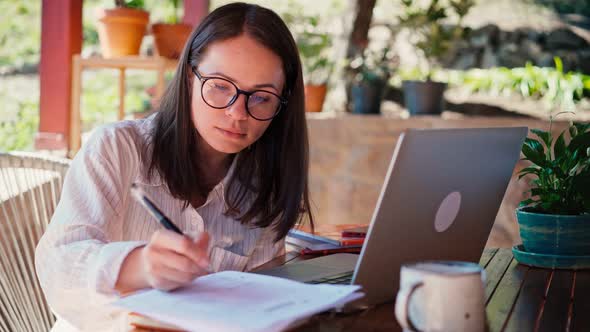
[{"x": 439, "y": 200}]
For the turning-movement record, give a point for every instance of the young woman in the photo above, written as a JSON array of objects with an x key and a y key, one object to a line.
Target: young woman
[{"x": 226, "y": 158}]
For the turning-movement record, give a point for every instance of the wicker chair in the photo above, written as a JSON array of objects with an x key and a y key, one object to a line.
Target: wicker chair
[{"x": 30, "y": 187}]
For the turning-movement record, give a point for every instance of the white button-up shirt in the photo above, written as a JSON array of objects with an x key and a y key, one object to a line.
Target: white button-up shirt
[{"x": 97, "y": 223}]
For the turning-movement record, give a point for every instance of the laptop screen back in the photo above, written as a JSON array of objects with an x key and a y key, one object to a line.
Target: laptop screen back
[{"x": 439, "y": 200}]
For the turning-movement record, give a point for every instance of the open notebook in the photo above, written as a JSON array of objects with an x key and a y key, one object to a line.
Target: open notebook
[{"x": 239, "y": 301}]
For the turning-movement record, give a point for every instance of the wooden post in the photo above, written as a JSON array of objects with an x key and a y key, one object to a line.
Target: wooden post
[
  {"x": 195, "y": 11},
  {"x": 61, "y": 37},
  {"x": 121, "y": 94},
  {"x": 75, "y": 139},
  {"x": 160, "y": 81}
]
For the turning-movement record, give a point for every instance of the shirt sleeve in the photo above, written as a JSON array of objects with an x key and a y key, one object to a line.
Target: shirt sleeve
[{"x": 79, "y": 257}]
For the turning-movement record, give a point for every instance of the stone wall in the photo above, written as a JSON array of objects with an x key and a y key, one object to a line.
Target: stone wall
[
  {"x": 489, "y": 46},
  {"x": 350, "y": 154}
]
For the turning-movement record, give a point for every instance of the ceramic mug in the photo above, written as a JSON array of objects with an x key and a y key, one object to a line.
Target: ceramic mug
[{"x": 441, "y": 296}]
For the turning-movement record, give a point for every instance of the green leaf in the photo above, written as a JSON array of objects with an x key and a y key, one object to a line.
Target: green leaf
[
  {"x": 558, "y": 64},
  {"x": 580, "y": 141},
  {"x": 544, "y": 135},
  {"x": 559, "y": 148},
  {"x": 582, "y": 127},
  {"x": 528, "y": 170},
  {"x": 533, "y": 151},
  {"x": 526, "y": 202},
  {"x": 538, "y": 192},
  {"x": 136, "y": 4}
]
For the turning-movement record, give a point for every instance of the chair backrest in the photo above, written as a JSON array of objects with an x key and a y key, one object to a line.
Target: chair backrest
[{"x": 30, "y": 187}]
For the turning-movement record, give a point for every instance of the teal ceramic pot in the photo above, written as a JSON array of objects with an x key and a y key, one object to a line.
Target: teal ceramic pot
[
  {"x": 367, "y": 97},
  {"x": 554, "y": 234}
]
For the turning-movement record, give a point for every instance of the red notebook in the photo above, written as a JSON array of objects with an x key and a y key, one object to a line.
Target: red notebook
[
  {"x": 316, "y": 251},
  {"x": 327, "y": 239},
  {"x": 355, "y": 232}
]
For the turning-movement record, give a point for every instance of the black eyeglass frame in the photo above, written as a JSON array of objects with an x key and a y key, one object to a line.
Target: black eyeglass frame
[{"x": 203, "y": 79}]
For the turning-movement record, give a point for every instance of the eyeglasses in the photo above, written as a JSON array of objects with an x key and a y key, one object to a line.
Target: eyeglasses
[{"x": 220, "y": 93}]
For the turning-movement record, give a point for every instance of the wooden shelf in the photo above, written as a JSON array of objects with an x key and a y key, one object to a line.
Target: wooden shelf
[{"x": 158, "y": 64}]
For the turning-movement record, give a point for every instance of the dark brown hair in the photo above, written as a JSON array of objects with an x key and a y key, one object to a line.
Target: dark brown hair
[{"x": 270, "y": 177}]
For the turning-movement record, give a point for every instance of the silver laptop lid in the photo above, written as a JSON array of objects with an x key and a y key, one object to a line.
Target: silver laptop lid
[{"x": 439, "y": 200}]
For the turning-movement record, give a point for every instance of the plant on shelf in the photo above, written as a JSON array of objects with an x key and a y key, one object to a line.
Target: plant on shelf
[
  {"x": 368, "y": 75},
  {"x": 134, "y": 4},
  {"x": 314, "y": 47},
  {"x": 434, "y": 40},
  {"x": 170, "y": 37},
  {"x": 121, "y": 29},
  {"x": 556, "y": 218}
]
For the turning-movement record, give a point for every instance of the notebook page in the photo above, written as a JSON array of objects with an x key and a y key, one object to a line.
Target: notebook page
[{"x": 238, "y": 301}]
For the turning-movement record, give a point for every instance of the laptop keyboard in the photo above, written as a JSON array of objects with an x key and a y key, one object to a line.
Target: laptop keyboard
[{"x": 339, "y": 279}]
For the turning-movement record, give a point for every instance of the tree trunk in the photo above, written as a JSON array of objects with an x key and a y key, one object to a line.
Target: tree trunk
[
  {"x": 359, "y": 36},
  {"x": 358, "y": 39}
]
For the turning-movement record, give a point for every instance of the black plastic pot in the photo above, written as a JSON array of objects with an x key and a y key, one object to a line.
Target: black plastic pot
[
  {"x": 367, "y": 96},
  {"x": 424, "y": 98}
]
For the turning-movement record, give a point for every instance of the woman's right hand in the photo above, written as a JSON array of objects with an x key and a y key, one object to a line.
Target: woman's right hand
[
  {"x": 171, "y": 260},
  {"x": 167, "y": 262}
]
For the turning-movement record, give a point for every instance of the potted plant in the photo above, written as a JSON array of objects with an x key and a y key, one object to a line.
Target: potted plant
[
  {"x": 369, "y": 74},
  {"x": 556, "y": 219},
  {"x": 121, "y": 29},
  {"x": 314, "y": 48},
  {"x": 170, "y": 37},
  {"x": 427, "y": 33}
]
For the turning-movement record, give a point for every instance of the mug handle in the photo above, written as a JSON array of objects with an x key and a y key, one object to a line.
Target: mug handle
[{"x": 402, "y": 304}]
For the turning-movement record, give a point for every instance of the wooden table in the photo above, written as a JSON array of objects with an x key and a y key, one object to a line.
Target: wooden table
[
  {"x": 518, "y": 298},
  {"x": 156, "y": 63}
]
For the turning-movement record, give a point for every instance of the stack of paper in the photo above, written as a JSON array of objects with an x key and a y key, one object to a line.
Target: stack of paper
[{"x": 239, "y": 301}]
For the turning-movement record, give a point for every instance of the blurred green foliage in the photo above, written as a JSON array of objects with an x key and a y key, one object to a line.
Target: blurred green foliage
[
  {"x": 100, "y": 95},
  {"x": 314, "y": 45},
  {"x": 427, "y": 26},
  {"x": 19, "y": 35},
  {"x": 557, "y": 88},
  {"x": 560, "y": 90},
  {"x": 373, "y": 66},
  {"x": 135, "y": 4},
  {"x": 18, "y": 134}
]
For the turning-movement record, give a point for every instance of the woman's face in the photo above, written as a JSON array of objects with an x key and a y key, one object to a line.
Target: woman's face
[{"x": 250, "y": 66}]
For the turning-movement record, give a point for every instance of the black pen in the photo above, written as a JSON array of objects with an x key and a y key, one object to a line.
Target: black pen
[
  {"x": 147, "y": 203},
  {"x": 143, "y": 199}
]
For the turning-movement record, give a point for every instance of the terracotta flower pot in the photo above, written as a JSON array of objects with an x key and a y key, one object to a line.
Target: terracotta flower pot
[
  {"x": 314, "y": 97},
  {"x": 121, "y": 30},
  {"x": 170, "y": 38}
]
